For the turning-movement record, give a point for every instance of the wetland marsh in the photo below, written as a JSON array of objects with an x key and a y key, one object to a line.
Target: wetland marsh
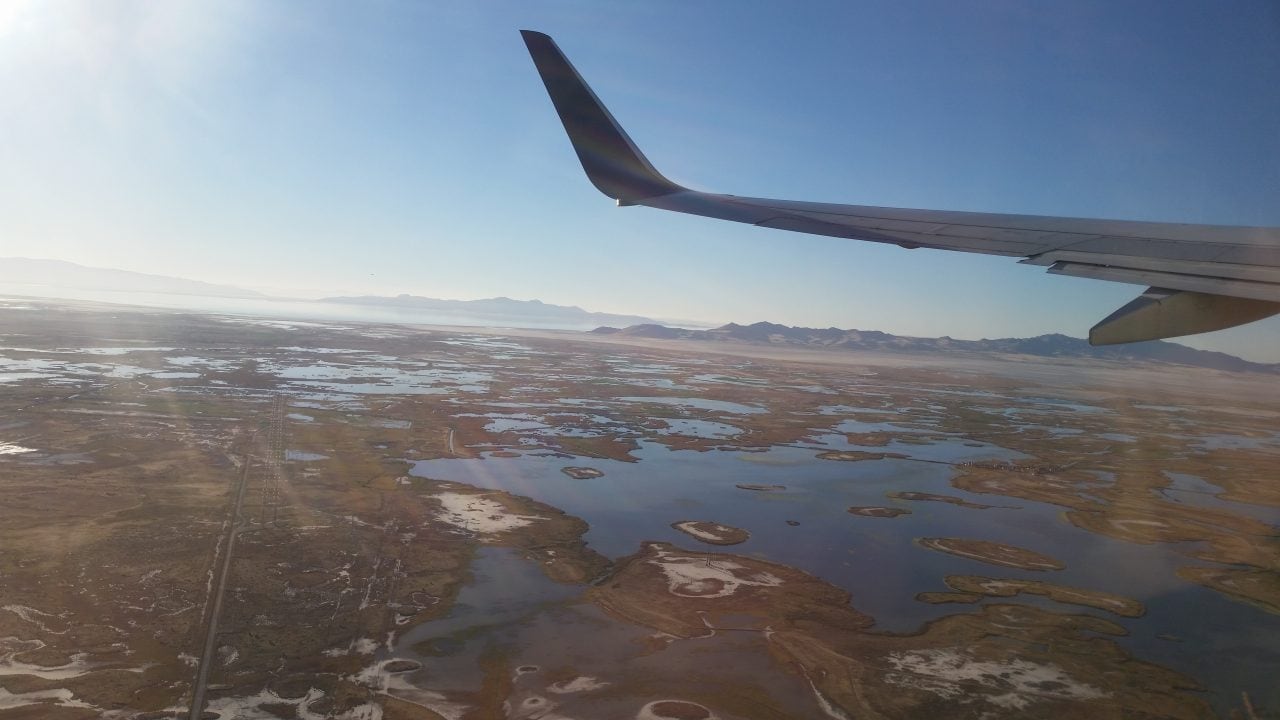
[{"x": 412, "y": 522}]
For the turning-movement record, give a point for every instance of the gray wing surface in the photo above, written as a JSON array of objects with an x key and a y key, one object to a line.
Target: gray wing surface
[{"x": 1200, "y": 277}]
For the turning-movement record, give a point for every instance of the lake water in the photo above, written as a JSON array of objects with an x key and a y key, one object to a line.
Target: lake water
[{"x": 877, "y": 559}]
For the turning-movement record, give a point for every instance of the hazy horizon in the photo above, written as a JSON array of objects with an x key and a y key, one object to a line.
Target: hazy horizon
[{"x": 320, "y": 307}]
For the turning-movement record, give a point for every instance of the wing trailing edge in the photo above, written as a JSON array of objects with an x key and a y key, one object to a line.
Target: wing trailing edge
[{"x": 1202, "y": 277}]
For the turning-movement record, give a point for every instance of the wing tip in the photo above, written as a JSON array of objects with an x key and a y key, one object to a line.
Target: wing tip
[{"x": 611, "y": 160}]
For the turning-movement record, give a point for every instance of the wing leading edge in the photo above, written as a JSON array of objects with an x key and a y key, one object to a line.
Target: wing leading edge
[{"x": 1201, "y": 277}]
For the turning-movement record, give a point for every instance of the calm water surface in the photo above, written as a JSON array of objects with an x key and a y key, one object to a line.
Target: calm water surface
[{"x": 1223, "y": 643}]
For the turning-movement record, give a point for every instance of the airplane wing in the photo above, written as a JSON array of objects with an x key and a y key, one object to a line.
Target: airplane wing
[{"x": 1201, "y": 277}]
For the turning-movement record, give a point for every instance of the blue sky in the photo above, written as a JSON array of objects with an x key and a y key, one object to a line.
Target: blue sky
[{"x": 334, "y": 148}]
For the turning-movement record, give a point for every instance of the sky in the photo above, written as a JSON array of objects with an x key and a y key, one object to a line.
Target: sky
[{"x": 325, "y": 148}]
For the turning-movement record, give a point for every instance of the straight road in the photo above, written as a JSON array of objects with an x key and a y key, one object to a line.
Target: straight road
[{"x": 211, "y": 635}]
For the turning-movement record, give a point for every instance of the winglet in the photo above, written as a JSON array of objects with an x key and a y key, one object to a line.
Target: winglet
[{"x": 613, "y": 163}]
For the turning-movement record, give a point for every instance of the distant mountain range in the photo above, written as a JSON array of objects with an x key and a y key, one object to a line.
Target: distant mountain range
[
  {"x": 35, "y": 276},
  {"x": 1055, "y": 345},
  {"x": 500, "y": 308},
  {"x": 60, "y": 274}
]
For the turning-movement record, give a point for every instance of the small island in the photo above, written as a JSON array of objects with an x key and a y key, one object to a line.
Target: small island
[
  {"x": 993, "y": 552},
  {"x": 978, "y": 586},
  {"x": 712, "y": 533},
  {"x": 934, "y": 497},
  {"x": 877, "y": 512},
  {"x": 1259, "y": 588},
  {"x": 857, "y": 455},
  {"x": 674, "y": 710}
]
